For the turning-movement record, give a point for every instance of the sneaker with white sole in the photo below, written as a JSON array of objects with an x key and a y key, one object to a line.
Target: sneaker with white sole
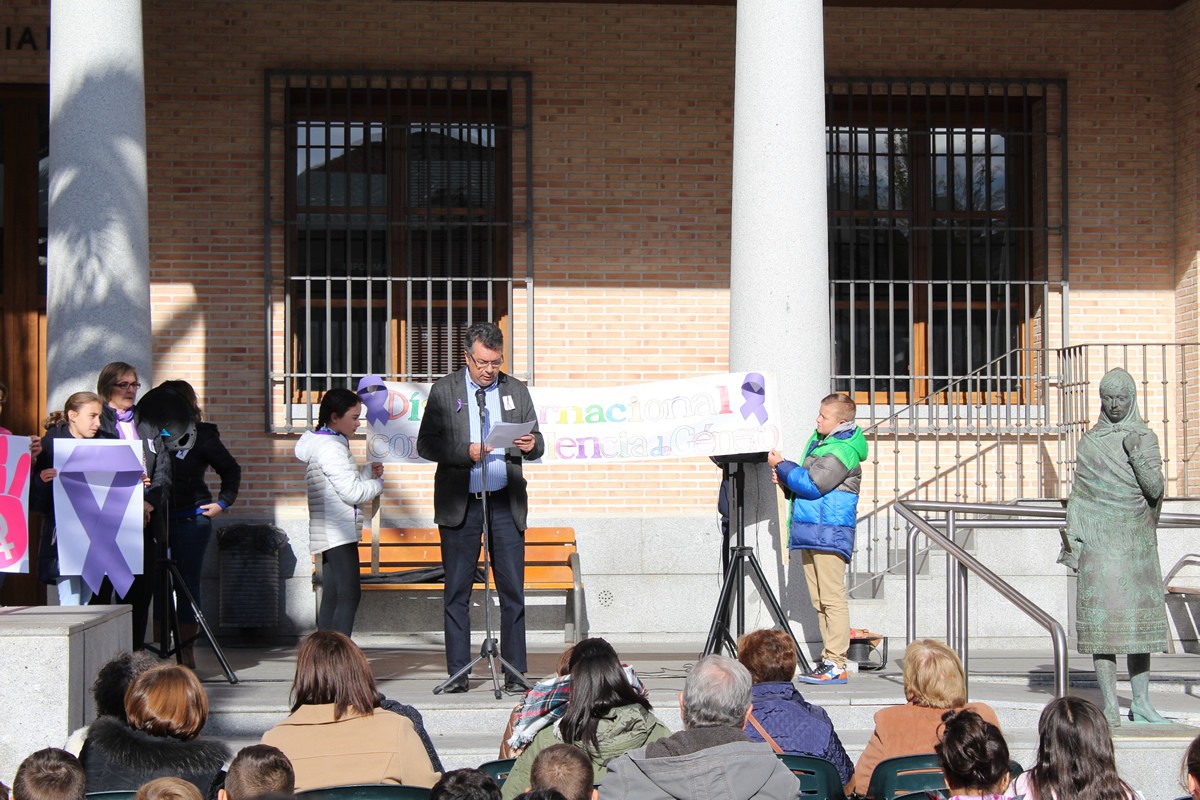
[{"x": 826, "y": 672}]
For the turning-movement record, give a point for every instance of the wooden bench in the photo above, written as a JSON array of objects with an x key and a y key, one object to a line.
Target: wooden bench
[{"x": 400, "y": 559}]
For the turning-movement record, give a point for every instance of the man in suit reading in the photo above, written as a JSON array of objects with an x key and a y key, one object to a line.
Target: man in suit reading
[{"x": 450, "y": 436}]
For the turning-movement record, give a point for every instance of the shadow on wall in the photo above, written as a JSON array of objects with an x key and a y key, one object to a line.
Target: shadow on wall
[{"x": 98, "y": 292}]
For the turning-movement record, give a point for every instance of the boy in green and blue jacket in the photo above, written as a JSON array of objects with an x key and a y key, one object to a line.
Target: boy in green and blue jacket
[{"x": 823, "y": 500}]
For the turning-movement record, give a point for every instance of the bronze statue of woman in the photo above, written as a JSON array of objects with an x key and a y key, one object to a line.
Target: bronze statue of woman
[{"x": 1112, "y": 518}]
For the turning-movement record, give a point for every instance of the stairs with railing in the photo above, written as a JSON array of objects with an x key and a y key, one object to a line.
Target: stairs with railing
[{"x": 1007, "y": 432}]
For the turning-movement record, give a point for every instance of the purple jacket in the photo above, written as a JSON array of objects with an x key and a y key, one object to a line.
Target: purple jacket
[{"x": 797, "y": 725}]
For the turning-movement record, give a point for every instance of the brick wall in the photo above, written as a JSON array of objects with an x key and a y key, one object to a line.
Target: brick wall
[{"x": 632, "y": 136}]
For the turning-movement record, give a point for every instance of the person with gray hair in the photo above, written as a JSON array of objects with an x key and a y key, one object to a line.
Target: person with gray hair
[
  {"x": 711, "y": 756},
  {"x": 462, "y": 408}
]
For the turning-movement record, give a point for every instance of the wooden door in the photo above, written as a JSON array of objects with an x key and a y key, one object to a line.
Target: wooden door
[{"x": 24, "y": 145}]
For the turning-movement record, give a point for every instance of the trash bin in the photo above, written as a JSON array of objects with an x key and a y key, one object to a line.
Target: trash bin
[{"x": 249, "y": 574}]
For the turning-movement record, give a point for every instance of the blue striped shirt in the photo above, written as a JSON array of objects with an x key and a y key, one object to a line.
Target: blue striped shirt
[{"x": 497, "y": 472}]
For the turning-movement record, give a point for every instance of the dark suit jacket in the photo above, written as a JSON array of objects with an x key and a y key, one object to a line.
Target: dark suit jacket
[{"x": 445, "y": 438}]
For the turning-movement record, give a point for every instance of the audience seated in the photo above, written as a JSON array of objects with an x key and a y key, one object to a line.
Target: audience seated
[
  {"x": 166, "y": 708},
  {"x": 168, "y": 789},
  {"x": 108, "y": 690},
  {"x": 1191, "y": 769},
  {"x": 542, "y": 794},
  {"x": 780, "y": 712},
  {"x": 50, "y": 774},
  {"x": 414, "y": 716},
  {"x": 605, "y": 716},
  {"x": 711, "y": 757},
  {"x": 465, "y": 784},
  {"x": 934, "y": 683},
  {"x": 564, "y": 769},
  {"x": 337, "y": 733},
  {"x": 973, "y": 757},
  {"x": 258, "y": 770},
  {"x": 541, "y": 706},
  {"x": 1075, "y": 757}
]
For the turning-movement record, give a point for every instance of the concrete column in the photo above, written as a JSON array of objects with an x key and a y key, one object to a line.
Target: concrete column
[
  {"x": 98, "y": 293},
  {"x": 779, "y": 286}
]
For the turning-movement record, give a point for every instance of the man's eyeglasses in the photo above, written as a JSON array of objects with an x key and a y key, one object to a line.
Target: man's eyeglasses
[
  {"x": 123, "y": 385},
  {"x": 499, "y": 362}
]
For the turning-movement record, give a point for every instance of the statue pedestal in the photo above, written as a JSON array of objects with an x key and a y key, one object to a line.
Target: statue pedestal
[{"x": 49, "y": 656}]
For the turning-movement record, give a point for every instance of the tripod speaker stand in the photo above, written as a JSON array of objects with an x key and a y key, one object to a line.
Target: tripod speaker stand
[
  {"x": 741, "y": 556},
  {"x": 168, "y": 622},
  {"x": 488, "y": 650}
]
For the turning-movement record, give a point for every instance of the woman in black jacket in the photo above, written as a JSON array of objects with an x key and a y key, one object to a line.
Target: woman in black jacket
[
  {"x": 193, "y": 507},
  {"x": 167, "y": 708}
]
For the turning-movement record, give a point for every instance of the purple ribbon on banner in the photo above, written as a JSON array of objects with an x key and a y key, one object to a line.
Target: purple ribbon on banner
[
  {"x": 102, "y": 523},
  {"x": 374, "y": 395},
  {"x": 754, "y": 391}
]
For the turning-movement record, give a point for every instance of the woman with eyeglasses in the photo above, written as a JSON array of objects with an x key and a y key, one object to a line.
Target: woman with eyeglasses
[{"x": 117, "y": 385}]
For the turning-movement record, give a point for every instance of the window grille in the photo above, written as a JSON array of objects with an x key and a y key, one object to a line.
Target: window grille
[
  {"x": 947, "y": 205},
  {"x": 398, "y": 213}
]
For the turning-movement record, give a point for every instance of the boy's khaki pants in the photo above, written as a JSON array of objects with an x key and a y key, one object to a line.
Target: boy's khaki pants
[{"x": 826, "y": 576}]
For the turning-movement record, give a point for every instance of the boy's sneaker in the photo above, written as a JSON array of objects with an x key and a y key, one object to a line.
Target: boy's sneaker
[{"x": 826, "y": 672}]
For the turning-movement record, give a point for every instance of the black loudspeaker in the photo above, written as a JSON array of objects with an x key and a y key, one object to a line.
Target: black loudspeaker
[
  {"x": 170, "y": 412},
  {"x": 739, "y": 458}
]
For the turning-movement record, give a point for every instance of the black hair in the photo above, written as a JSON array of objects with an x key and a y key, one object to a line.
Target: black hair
[
  {"x": 486, "y": 334},
  {"x": 465, "y": 784},
  {"x": 336, "y": 402},
  {"x": 972, "y": 753},
  {"x": 598, "y": 685},
  {"x": 113, "y": 679}
]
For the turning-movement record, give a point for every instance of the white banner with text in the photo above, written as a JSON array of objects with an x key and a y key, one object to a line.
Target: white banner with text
[{"x": 709, "y": 415}]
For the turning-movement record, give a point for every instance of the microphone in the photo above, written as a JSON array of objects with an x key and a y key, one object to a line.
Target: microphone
[{"x": 479, "y": 400}]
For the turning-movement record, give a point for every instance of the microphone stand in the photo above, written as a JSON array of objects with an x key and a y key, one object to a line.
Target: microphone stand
[
  {"x": 733, "y": 587},
  {"x": 488, "y": 650}
]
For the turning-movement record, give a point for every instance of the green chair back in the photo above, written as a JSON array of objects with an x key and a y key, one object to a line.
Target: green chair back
[
  {"x": 1014, "y": 769},
  {"x": 366, "y": 791},
  {"x": 498, "y": 769},
  {"x": 902, "y": 775},
  {"x": 818, "y": 778}
]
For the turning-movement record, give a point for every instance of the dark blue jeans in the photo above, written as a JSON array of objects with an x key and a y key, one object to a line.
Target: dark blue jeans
[
  {"x": 189, "y": 542},
  {"x": 460, "y": 555}
]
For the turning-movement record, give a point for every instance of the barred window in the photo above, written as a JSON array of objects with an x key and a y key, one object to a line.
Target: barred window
[
  {"x": 404, "y": 219},
  {"x": 946, "y": 205}
]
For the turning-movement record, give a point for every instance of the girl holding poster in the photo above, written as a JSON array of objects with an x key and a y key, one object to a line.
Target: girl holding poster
[
  {"x": 79, "y": 419},
  {"x": 337, "y": 490}
]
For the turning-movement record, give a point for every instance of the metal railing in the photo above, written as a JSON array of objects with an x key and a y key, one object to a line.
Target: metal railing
[
  {"x": 957, "y": 606},
  {"x": 966, "y": 444}
]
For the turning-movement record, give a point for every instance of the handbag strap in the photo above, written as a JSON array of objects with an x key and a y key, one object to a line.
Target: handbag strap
[{"x": 763, "y": 733}]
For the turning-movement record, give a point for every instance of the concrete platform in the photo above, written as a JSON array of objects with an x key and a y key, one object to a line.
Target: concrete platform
[{"x": 466, "y": 728}]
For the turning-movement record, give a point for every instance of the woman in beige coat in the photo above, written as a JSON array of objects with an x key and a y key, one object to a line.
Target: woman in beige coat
[
  {"x": 934, "y": 683},
  {"x": 337, "y": 734}
]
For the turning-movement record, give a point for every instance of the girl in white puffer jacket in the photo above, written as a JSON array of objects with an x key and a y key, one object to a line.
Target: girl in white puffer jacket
[{"x": 337, "y": 490}]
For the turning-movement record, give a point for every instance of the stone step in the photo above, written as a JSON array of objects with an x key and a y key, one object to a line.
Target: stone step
[{"x": 466, "y": 728}]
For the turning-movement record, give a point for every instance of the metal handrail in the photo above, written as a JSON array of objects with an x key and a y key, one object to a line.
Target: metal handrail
[{"x": 957, "y": 608}]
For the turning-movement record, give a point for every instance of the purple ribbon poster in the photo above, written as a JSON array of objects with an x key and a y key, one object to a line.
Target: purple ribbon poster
[
  {"x": 98, "y": 510},
  {"x": 14, "y": 503}
]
